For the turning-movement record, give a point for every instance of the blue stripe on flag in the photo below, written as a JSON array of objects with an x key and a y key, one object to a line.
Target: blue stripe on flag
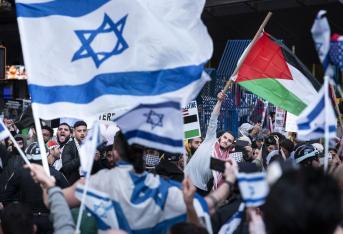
[
  {"x": 1, "y": 127},
  {"x": 175, "y": 105},
  {"x": 75, "y": 8},
  {"x": 152, "y": 137},
  {"x": 255, "y": 200},
  {"x": 332, "y": 129},
  {"x": 312, "y": 115},
  {"x": 253, "y": 179},
  {"x": 148, "y": 83}
]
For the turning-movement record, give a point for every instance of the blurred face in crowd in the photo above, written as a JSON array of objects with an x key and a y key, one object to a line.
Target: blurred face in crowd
[
  {"x": 111, "y": 157},
  {"x": 20, "y": 143},
  {"x": 80, "y": 133},
  {"x": 97, "y": 155},
  {"x": 54, "y": 151},
  {"x": 256, "y": 129},
  {"x": 270, "y": 148},
  {"x": 248, "y": 153},
  {"x": 63, "y": 133},
  {"x": 195, "y": 143},
  {"x": 226, "y": 140},
  {"x": 152, "y": 152},
  {"x": 46, "y": 135},
  {"x": 255, "y": 153}
]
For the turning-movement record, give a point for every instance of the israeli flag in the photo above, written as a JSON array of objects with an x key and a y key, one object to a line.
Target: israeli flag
[
  {"x": 233, "y": 222},
  {"x": 88, "y": 149},
  {"x": 253, "y": 187},
  {"x": 137, "y": 203},
  {"x": 158, "y": 126},
  {"x": 85, "y": 58},
  {"x": 4, "y": 133},
  {"x": 311, "y": 122}
]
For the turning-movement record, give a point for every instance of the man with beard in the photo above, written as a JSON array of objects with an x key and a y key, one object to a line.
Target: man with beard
[
  {"x": 70, "y": 154},
  {"x": 63, "y": 137},
  {"x": 215, "y": 145},
  {"x": 193, "y": 145}
]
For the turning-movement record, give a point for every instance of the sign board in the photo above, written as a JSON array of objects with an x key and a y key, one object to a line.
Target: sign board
[
  {"x": 291, "y": 124},
  {"x": 191, "y": 121},
  {"x": 280, "y": 119}
]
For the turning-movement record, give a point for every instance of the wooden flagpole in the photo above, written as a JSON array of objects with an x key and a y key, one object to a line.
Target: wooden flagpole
[{"x": 239, "y": 64}]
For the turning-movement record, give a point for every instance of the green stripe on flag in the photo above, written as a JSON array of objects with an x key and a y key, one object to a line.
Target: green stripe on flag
[
  {"x": 274, "y": 92},
  {"x": 192, "y": 133}
]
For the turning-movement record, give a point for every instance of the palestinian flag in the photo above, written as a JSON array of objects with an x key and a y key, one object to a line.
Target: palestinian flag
[{"x": 271, "y": 71}]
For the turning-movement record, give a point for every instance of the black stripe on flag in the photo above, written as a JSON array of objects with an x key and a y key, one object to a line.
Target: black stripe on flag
[
  {"x": 190, "y": 119},
  {"x": 293, "y": 60}
]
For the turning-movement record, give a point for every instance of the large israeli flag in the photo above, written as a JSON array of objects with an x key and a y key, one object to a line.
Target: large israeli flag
[
  {"x": 158, "y": 126},
  {"x": 137, "y": 203},
  {"x": 88, "y": 57},
  {"x": 4, "y": 133}
]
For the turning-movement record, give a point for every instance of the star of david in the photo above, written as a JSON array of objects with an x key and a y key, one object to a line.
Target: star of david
[
  {"x": 252, "y": 190},
  {"x": 101, "y": 209},
  {"x": 154, "y": 119},
  {"x": 86, "y": 37}
]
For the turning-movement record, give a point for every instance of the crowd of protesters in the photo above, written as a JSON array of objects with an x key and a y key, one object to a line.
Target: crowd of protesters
[{"x": 302, "y": 198}]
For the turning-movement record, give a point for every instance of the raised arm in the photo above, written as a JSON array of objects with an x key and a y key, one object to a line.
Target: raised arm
[{"x": 212, "y": 125}]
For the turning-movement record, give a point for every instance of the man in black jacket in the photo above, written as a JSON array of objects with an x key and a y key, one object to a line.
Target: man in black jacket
[
  {"x": 30, "y": 193},
  {"x": 70, "y": 155}
]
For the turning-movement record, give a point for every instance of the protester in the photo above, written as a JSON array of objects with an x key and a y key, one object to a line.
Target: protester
[
  {"x": 307, "y": 156},
  {"x": 192, "y": 145},
  {"x": 70, "y": 153},
  {"x": 47, "y": 133},
  {"x": 214, "y": 145}
]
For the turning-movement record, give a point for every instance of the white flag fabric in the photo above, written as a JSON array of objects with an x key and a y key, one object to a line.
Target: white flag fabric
[
  {"x": 88, "y": 57},
  {"x": 4, "y": 133},
  {"x": 321, "y": 34},
  {"x": 311, "y": 122},
  {"x": 233, "y": 222},
  {"x": 137, "y": 203},
  {"x": 253, "y": 187},
  {"x": 158, "y": 126},
  {"x": 88, "y": 149}
]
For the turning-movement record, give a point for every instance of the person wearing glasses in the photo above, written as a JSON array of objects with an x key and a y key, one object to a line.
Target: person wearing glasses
[{"x": 217, "y": 145}]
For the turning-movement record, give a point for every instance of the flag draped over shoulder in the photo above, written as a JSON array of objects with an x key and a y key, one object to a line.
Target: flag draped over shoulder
[
  {"x": 88, "y": 57},
  {"x": 4, "y": 133},
  {"x": 271, "y": 71},
  {"x": 137, "y": 203},
  {"x": 311, "y": 122}
]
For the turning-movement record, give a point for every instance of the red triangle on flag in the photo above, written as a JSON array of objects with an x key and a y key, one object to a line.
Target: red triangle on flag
[{"x": 264, "y": 60}]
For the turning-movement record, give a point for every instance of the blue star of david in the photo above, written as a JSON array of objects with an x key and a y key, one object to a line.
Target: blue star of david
[
  {"x": 87, "y": 36},
  {"x": 101, "y": 209},
  {"x": 252, "y": 190},
  {"x": 154, "y": 119}
]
